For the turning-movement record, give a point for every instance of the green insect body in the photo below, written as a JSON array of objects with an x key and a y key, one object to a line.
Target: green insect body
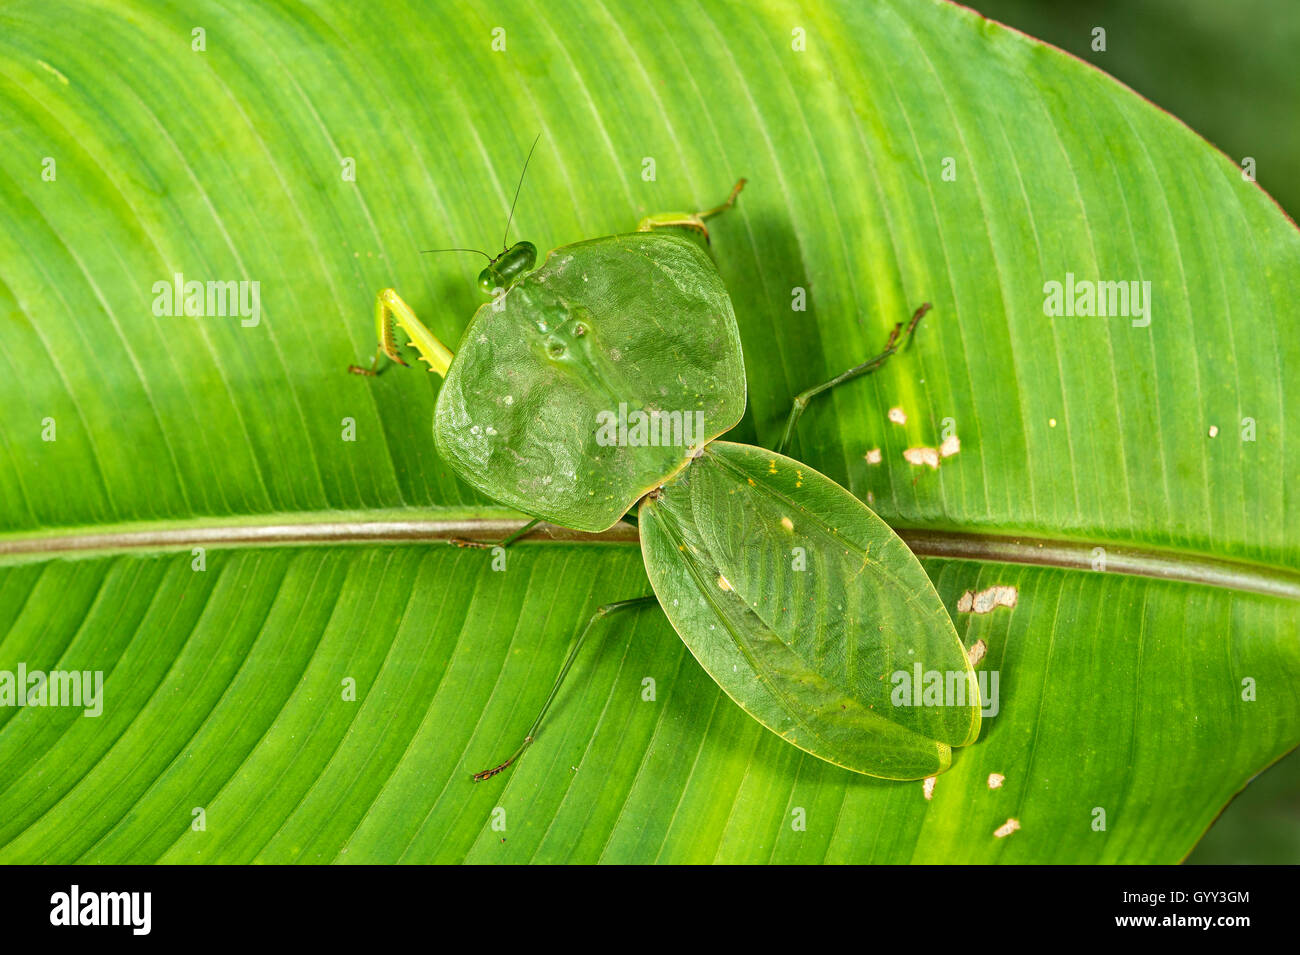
[{"x": 798, "y": 600}]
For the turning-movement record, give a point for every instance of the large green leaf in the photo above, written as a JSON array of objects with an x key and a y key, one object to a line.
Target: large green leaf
[{"x": 897, "y": 152}]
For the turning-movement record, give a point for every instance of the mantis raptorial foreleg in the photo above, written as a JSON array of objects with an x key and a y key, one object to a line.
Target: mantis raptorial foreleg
[{"x": 390, "y": 308}]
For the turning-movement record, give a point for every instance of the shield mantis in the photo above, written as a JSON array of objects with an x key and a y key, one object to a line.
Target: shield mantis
[{"x": 792, "y": 594}]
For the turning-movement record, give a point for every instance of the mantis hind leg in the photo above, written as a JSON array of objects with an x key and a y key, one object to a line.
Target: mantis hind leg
[
  {"x": 600, "y": 614},
  {"x": 871, "y": 364},
  {"x": 690, "y": 220},
  {"x": 390, "y": 309}
]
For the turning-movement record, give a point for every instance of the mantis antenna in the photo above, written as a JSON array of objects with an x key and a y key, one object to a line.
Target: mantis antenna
[
  {"x": 476, "y": 251},
  {"x": 511, "y": 217},
  {"x": 523, "y": 257}
]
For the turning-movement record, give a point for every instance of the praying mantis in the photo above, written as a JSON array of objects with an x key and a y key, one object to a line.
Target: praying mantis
[{"x": 791, "y": 593}]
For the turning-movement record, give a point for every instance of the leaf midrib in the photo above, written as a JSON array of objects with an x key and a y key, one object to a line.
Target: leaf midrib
[{"x": 486, "y": 524}]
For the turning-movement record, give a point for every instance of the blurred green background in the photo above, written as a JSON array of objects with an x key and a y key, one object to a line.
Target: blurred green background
[{"x": 1229, "y": 69}]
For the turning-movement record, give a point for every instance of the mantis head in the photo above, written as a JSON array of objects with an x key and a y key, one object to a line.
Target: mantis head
[{"x": 508, "y": 267}]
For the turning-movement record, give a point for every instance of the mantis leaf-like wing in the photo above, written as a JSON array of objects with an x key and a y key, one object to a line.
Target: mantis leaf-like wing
[{"x": 810, "y": 612}]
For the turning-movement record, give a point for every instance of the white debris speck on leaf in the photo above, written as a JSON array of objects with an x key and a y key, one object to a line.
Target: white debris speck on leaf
[
  {"x": 996, "y": 780},
  {"x": 927, "y": 786},
  {"x": 874, "y": 456},
  {"x": 897, "y": 416},
  {"x": 986, "y": 600},
  {"x": 509, "y": 399},
  {"x": 951, "y": 445},
  {"x": 922, "y": 456},
  {"x": 871, "y": 497},
  {"x": 1214, "y": 431},
  {"x": 976, "y": 653},
  {"x": 1008, "y": 827}
]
